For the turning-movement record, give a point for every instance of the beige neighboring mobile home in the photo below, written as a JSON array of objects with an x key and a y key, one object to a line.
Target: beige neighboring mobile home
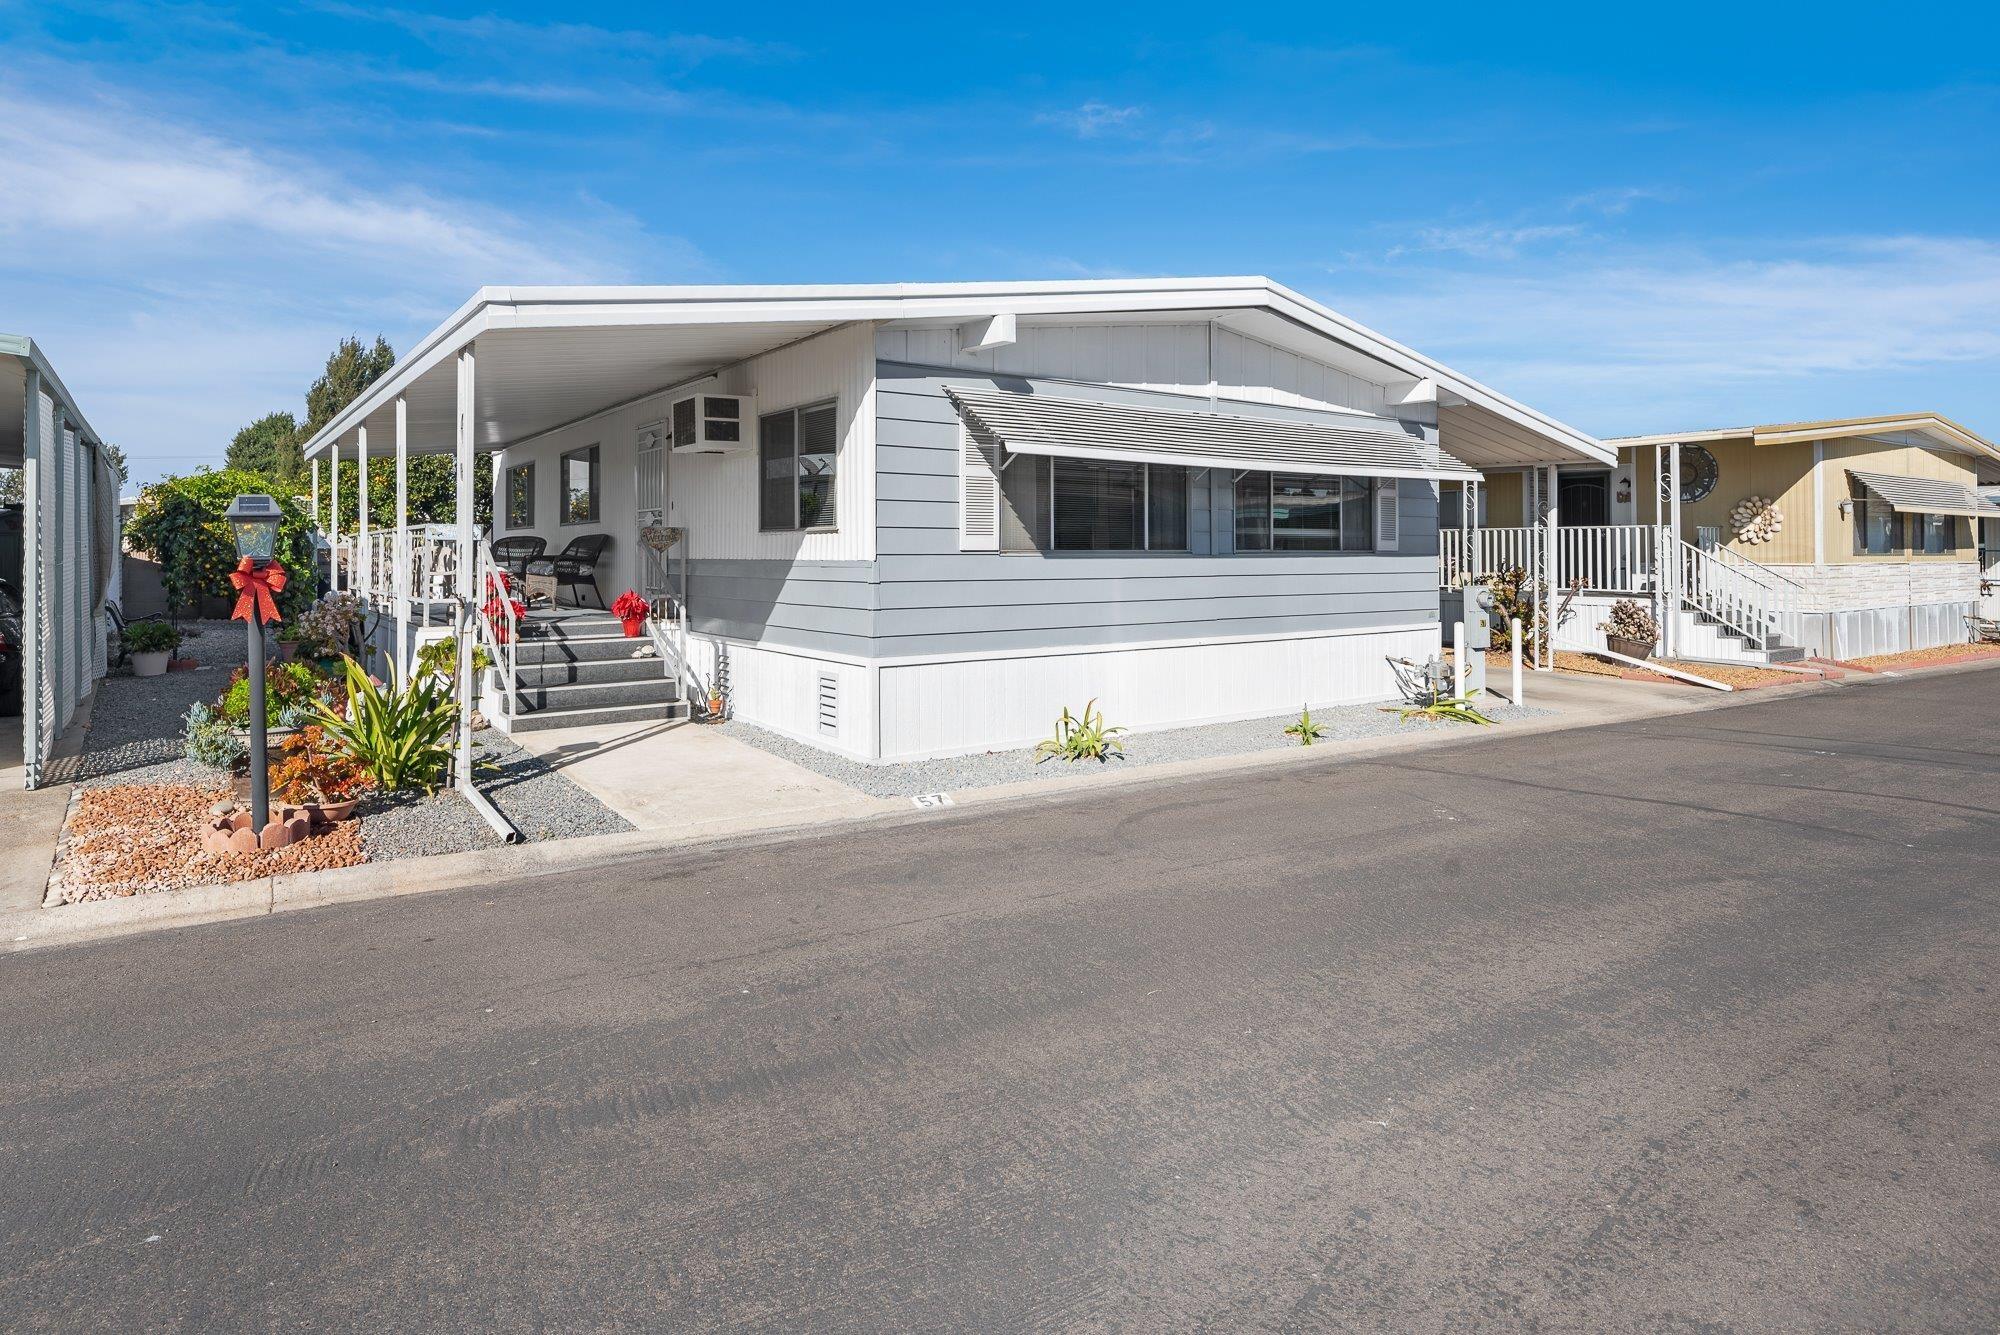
[{"x": 1870, "y": 535}]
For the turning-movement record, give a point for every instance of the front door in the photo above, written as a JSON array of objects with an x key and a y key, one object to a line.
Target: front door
[
  {"x": 651, "y": 493},
  {"x": 1583, "y": 499}
]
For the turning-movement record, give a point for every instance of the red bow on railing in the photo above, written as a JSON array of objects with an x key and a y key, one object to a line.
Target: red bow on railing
[{"x": 254, "y": 590}]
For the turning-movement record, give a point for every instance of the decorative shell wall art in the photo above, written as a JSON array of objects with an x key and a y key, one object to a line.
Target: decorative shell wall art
[{"x": 1756, "y": 519}]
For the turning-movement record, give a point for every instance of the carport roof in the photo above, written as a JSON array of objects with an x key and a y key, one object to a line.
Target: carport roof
[
  {"x": 18, "y": 355},
  {"x": 550, "y": 356}
]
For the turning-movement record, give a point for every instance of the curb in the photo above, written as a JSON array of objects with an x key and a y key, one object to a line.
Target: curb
[{"x": 101, "y": 919}]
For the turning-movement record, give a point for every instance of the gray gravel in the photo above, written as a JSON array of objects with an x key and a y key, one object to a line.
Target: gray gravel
[
  {"x": 135, "y": 737},
  {"x": 956, "y": 773}
]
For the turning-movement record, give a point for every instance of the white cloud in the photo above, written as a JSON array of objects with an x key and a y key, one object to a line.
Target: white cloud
[
  {"x": 1613, "y": 201},
  {"x": 1655, "y": 338},
  {"x": 1487, "y": 240},
  {"x": 185, "y": 282},
  {"x": 1094, "y": 119}
]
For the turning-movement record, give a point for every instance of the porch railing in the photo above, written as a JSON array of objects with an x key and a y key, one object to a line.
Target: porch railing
[
  {"x": 1751, "y": 600},
  {"x": 418, "y": 563}
]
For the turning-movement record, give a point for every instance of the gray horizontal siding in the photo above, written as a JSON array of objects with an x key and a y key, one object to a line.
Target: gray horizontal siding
[
  {"x": 933, "y": 598},
  {"x": 804, "y": 604}
]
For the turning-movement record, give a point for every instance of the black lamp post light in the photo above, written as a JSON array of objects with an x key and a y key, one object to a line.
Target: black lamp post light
[{"x": 253, "y": 520}]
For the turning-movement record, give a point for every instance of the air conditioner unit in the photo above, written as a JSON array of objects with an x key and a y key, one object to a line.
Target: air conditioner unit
[{"x": 713, "y": 423}]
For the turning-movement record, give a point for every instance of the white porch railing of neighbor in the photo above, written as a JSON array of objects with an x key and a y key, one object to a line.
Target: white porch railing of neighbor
[{"x": 1749, "y": 599}]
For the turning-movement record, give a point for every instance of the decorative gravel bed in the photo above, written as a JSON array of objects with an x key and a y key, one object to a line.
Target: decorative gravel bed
[
  {"x": 123, "y": 833},
  {"x": 1344, "y": 723}
]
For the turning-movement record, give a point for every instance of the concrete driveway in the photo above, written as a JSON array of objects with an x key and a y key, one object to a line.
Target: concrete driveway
[{"x": 1687, "y": 1023}]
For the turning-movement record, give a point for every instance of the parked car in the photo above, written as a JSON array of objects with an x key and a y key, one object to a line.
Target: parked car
[{"x": 10, "y": 649}]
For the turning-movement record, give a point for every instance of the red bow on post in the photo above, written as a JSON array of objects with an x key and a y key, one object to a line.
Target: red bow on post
[{"x": 254, "y": 588}]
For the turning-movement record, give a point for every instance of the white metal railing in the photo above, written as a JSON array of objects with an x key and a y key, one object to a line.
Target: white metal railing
[
  {"x": 1493, "y": 550},
  {"x": 498, "y": 633},
  {"x": 418, "y": 563},
  {"x": 1752, "y": 600}
]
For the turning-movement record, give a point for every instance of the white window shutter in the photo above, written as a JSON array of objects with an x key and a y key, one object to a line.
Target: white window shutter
[
  {"x": 1388, "y": 514},
  {"x": 978, "y": 494}
]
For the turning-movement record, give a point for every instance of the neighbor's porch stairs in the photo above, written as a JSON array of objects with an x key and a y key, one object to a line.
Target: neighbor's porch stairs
[{"x": 1724, "y": 607}]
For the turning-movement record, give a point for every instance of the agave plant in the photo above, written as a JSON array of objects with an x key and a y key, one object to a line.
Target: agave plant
[
  {"x": 401, "y": 738},
  {"x": 1305, "y": 729},
  {"x": 1445, "y": 709},
  {"x": 1085, "y": 738}
]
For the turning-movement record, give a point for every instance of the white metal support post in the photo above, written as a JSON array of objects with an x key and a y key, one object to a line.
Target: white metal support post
[
  {"x": 1469, "y": 523},
  {"x": 1667, "y": 519},
  {"x": 315, "y": 492},
  {"x": 400, "y": 592},
  {"x": 468, "y": 573},
  {"x": 34, "y": 488},
  {"x": 364, "y": 558},
  {"x": 333, "y": 508},
  {"x": 1551, "y": 565}
]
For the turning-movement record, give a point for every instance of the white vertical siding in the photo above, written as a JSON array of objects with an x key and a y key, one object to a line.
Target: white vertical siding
[{"x": 1172, "y": 357}]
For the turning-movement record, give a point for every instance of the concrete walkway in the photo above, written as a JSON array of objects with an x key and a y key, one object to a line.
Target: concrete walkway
[
  {"x": 31, "y": 821},
  {"x": 694, "y": 780}
]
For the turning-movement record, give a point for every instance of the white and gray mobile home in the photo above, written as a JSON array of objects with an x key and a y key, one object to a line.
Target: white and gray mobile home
[{"x": 918, "y": 520}]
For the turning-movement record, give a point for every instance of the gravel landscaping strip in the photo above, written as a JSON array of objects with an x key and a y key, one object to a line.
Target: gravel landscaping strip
[
  {"x": 1343, "y": 723},
  {"x": 135, "y": 738}
]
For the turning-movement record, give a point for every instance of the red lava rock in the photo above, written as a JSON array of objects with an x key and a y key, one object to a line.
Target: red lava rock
[{"x": 142, "y": 838}]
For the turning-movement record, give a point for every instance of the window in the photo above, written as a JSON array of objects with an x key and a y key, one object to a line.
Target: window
[
  {"x": 1111, "y": 507},
  {"x": 579, "y": 486},
  {"x": 1877, "y": 528},
  {"x": 1937, "y": 534},
  {"x": 521, "y": 496},
  {"x": 1293, "y": 512},
  {"x": 798, "y": 454}
]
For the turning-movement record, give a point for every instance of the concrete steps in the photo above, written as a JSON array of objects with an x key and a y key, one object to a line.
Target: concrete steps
[{"x": 579, "y": 670}]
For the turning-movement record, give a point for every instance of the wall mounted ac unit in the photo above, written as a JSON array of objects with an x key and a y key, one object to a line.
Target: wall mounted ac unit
[{"x": 713, "y": 423}]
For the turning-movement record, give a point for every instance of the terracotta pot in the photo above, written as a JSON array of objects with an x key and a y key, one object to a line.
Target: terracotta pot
[
  {"x": 151, "y": 664},
  {"x": 1618, "y": 644},
  {"x": 287, "y": 650},
  {"x": 633, "y": 625},
  {"x": 330, "y": 813}
]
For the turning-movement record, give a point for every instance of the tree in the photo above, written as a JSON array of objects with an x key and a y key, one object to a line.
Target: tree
[
  {"x": 180, "y": 522},
  {"x": 349, "y": 370},
  {"x": 268, "y": 445},
  {"x": 118, "y": 464}
]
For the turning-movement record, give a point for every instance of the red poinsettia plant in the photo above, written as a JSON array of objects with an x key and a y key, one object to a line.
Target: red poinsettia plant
[
  {"x": 630, "y": 609},
  {"x": 499, "y": 602}
]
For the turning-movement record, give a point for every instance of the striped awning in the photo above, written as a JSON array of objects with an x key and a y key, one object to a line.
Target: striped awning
[
  {"x": 1923, "y": 495},
  {"x": 1070, "y": 428}
]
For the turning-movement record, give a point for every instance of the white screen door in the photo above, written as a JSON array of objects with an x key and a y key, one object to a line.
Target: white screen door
[{"x": 651, "y": 491}]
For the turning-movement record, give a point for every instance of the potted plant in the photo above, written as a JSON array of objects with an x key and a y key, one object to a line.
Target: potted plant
[
  {"x": 1631, "y": 631},
  {"x": 289, "y": 638},
  {"x": 323, "y": 783},
  {"x": 151, "y": 644},
  {"x": 631, "y": 611}
]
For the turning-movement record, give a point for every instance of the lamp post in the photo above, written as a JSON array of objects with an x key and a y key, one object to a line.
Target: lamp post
[{"x": 254, "y": 521}]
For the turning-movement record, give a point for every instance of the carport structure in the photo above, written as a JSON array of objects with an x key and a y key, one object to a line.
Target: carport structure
[{"x": 69, "y": 544}]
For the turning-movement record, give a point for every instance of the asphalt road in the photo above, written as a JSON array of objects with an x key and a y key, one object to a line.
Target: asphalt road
[{"x": 1683, "y": 1024}]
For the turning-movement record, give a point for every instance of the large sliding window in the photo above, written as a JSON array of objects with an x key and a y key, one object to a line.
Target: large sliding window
[
  {"x": 798, "y": 454},
  {"x": 1933, "y": 535},
  {"x": 1115, "y": 507},
  {"x": 1296, "y": 512},
  {"x": 1877, "y": 527}
]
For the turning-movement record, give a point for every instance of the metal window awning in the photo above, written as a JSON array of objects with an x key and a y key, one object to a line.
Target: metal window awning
[
  {"x": 1923, "y": 495},
  {"x": 1073, "y": 428}
]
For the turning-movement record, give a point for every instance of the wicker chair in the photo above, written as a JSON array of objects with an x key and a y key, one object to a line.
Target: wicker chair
[
  {"x": 575, "y": 566},
  {"x": 513, "y": 554}
]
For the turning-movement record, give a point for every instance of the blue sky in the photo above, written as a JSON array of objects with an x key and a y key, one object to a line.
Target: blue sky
[{"x": 1634, "y": 220}]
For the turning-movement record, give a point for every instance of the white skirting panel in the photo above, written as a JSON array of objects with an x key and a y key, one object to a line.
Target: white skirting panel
[
  {"x": 818, "y": 701},
  {"x": 960, "y": 705}
]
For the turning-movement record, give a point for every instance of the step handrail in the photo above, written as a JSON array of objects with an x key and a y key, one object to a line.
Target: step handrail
[
  {"x": 1762, "y": 611},
  {"x": 494, "y": 587}
]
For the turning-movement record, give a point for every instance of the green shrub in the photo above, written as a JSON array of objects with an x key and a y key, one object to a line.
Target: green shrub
[
  {"x": 1085, "y": 738},
  {"x": 179, "y": 523},
  {"x": 152, "y": 637},
  {"x": 440, "y": 658},
  {"x": 210, "y": 740},
  {"x": 401, "y": 738},
  {"x": 288, "y": 687}
]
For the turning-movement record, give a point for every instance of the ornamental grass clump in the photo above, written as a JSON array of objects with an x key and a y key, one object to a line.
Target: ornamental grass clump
[
  {"x": 401, "y": 738},
  {"x": 1444, "y": 709},
  {"x": 1084, "y": 738}
]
